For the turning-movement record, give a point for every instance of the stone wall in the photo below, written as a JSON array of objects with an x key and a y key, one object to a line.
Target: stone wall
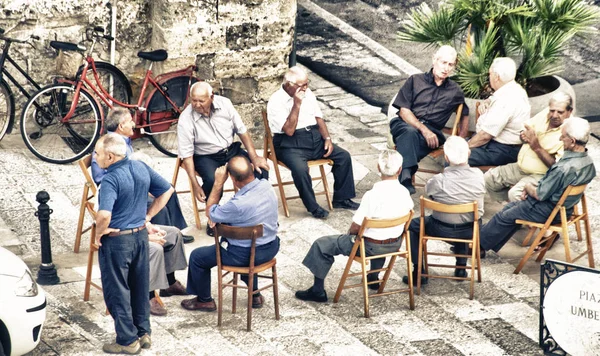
[{"x": 240, "y": 46}]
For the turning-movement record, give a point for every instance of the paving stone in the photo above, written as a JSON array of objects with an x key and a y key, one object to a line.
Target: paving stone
[
  {"x": 347, "y": 101},
  {"x": 507, "y": 337},
  {"x": 361, "y": 110}
]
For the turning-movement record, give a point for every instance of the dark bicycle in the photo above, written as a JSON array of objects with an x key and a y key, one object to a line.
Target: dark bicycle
[
  {"x": 7, "y": 100},
  {"x": 62, "y": 121}
]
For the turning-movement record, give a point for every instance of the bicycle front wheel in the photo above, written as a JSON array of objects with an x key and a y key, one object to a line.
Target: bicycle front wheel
[
  {"x": 7, "y": 108},
  {"x": 48, "y": 135}
]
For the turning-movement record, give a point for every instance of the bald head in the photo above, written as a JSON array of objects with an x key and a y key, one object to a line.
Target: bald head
[
  {"x": 201, "y": 94},
  {"x": 240, "y": 169},
  {"x": 201, "y": 88}
]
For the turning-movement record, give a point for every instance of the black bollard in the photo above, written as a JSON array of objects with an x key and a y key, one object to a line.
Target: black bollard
[{"x": 47, "y": 273}]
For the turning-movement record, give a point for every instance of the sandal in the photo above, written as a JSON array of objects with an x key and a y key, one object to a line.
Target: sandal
[{"x": 540, "y": 247}]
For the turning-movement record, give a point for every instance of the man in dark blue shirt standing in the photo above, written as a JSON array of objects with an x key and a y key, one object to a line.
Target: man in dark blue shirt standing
[{"x": 122, "y": 227}]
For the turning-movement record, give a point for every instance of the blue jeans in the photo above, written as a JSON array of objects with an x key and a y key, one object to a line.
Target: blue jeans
[
  {"x": 125, "y": 281},
  {"x": 203, "y": 259}
]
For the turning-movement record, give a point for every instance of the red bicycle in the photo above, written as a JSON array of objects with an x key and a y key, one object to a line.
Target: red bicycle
[{"x": 62, "y": 121}]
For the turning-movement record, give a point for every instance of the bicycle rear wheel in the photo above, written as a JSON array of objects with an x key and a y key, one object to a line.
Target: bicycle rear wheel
[
  {"x": 162, "y": 117},
  {"x": 7, "y": 109},
  {"x": 45, "y": 133}
]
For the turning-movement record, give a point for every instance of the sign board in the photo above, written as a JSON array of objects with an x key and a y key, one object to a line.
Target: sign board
[{"x": 569, "y": 309}]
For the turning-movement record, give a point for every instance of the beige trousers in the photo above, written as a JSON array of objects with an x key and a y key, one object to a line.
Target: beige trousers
[{"x": 507, "y": 182}]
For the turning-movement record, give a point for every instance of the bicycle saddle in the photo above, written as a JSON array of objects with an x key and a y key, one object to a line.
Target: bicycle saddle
[
  {"x": 155, "y": 56},
  {"x": 66, "y": 46}
]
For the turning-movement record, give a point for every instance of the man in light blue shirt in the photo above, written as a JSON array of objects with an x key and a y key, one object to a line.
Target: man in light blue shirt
[{"x": 254, "y": 203}]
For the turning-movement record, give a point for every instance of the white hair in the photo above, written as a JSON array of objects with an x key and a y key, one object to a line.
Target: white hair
[
  {"x": 114, "y": 143},
  {"x": 505, "y": 68},
  {"x": 561, "y": 97},
  {"x": 390, "y": 162},
  {"x": 294, "y": 74},
  {"x": 141, "y": 156},
  {"x": 445, "y": 50},
  {"x": 203, "y": 86},
  {"x": 578, "y": 129},
  {"x": 456, "y": 150}
]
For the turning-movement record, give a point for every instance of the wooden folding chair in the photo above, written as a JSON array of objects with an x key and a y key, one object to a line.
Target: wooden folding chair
[
  {"x": 197, "y": 210},
  {"x": 90, "y": 191},
  {"x": 244, "y": 233},
  {"x": 545, "y": 242},
  {"x": 363, "y": 259},
  {"x": 472, "y": 242},
  {"x": 269, "y": 153}
]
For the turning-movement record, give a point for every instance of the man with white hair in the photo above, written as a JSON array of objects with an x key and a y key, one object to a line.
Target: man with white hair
[
  {"x": 541, "y": 149},
  {"x": 457, "y": 184},
  {"x": 425, "y": 103},
  {"x": 497, "y": 140},
  {"x": 300, "y": 135},
  {"x": 574, "y": 168},
  {"x": 388, "y": 199},
  {"x": 205, "y": 133},
  {"x": 122, "y": 228}
]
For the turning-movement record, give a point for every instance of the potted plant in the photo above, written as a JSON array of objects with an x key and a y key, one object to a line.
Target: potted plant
[{"x": 532, "y": 32}]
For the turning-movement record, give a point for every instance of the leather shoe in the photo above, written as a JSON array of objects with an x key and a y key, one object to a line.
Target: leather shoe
[
  {"x": 175, "y": 289},
  {"x": 210, "y": 231},
  {"x": 156, "y": 309},
  {"x": 459, "y": 272},
  {"x": 145, "y": 341},
  {"x": 114, "y": 348},
  {"x": 320, "y": 213},
  {"x": 257, "y": 301},
  {"x": 424, "y": 280},
  {"x": 194, "y": 304},
  {"x": 310, "y": 296},
  {"x": 188, "y": 239},
  {"x": 374, "y": 286},
  {"x": 345, "y": 204}
]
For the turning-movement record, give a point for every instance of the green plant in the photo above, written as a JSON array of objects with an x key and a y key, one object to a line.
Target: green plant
[{"x": 533, "y": 32}]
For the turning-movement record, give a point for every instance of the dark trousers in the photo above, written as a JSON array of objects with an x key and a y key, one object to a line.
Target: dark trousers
[
  {"x": 320, "y": 257},
  {"x": 305, "y": 145},
  {"x": 411, "y": 144},
  {"x": 170, "y": 215},
  {"x": 204, "y": 258},
  {"x": 502, "y": 226},
  {"x": 493, "y": 154},
  {"x": 434, "y": 228},
  {"x": 206, "y": 165},
  {"x": 125, "y": 281}
]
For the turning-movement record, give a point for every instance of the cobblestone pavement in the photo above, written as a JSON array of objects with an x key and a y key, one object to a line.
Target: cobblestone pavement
[{"x": 502, "y": 319}]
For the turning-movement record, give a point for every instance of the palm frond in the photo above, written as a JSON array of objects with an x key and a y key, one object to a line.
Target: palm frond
[
  {"x": 472, "y": 70},
  {"x": 435, "y": 28},
  {"x": 567, "y": 15}
]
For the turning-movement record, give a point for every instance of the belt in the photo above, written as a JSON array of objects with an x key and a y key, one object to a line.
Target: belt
[
  {"x": 128, "y": 231},
  {"x": 381, "y": 242},
  {"x": 453, "y": 226},
  {"x": 307, "y": 128}
]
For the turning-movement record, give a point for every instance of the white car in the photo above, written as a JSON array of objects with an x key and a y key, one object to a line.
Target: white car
[{"x": 22, "y": 306}]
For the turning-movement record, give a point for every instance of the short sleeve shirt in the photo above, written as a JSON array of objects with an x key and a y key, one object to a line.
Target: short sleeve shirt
[
  {"x": 428, "y": 102},
  {"x": 549, "y": 140},
  {"x": 204, "y": 135},
  {"x": 388, "y": 199},
  {"x": 509, "y": 109},
  {"x": 124, "y": 192},
  {"x": 280, "y": 105}
]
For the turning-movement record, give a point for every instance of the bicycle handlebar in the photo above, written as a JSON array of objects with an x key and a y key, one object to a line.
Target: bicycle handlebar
[{"x": 16, "y": 40}]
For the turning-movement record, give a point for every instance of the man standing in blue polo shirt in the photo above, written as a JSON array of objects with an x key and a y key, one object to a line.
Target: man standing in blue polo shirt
[
  {"x": 254, "y": 203},
  {"x": 122, "y": 228}
]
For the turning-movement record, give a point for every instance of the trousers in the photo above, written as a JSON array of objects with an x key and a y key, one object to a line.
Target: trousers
[
  {"x": 125, "y": 281},
  {"x": 170, "y": 215},
  {"x": 507, "y": 182},
  {"x": 204, "y": 258},
  {"x": 305, "y": 145},
  {"x": 320, "y": 257},
  {"x": 493, "y": 154},
  {"x": 410, "y": 143},
  {"x": 166, "y": 259},
  {"x": 206, "y": 165}
]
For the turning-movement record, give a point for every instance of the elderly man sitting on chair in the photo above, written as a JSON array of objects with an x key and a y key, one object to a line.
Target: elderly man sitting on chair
[
  {"x": 388, "y": 199},
  {"x": 574, "y": 168}
]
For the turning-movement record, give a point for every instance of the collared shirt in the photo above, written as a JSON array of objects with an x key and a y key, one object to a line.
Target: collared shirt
[
  {"x": 529, "y": 162},
  {"x": 388, "y": 199},
  {"x": 124, "y": 192},
  {"x": 457, "y": 185},
  {"x": 254, "y": 204},
  {"x": 509, "y": 109},
  {"x": 429, "y": 102},
  {"x": 574, "y": 168},
  {"x": 280, "y": 105},
  {"x": 97, "y": 172},
  {"x": 204, "y": 135}
]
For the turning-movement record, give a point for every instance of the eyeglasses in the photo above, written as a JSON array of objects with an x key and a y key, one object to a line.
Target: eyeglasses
[{"x": 303, "y": 85}]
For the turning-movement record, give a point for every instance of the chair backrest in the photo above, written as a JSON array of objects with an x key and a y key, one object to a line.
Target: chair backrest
[
  {"x": 450, "y": 209},
  {"x": 269, "y": 150},
  {"x": 84, "y": 164},
  {"x": 571, "y": 190},
  {"x": 239, "y": 233},
  {"x": 385, "y": 223}
]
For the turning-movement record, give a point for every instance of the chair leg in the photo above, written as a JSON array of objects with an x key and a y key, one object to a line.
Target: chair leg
[
  {"x": 275, "y": 292},
  {"x": 577, "y": 226},
  {"x": 478, "y": 257},
  {"x": 326, "y": 187},
  {"x": 563, "y": 219},
  {"x": 281, "y": 189},
  {"x": 250, "y": 294},
  {"x": 411, "y": 288},
  {"x": 220, "y": 296},
  {"x": 530, "y": 251},
  {"x": 195, "y": 205},
  {"x": 588, "y": 240},
  {"x": 386, "y": 276},
  {"x": 529, "y": 235},
  {"x": 88, "y": 273},
  {"x": 474, "y": 252},
  {"x": 363, "y": 266},
  {"x": 338, "y": 293},
  {"x": 84, "y": 198},
  {"x": 234, "y": 294}
]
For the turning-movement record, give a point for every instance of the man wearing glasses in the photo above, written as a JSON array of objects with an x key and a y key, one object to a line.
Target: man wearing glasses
[{"x": 300, "y": 135}]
